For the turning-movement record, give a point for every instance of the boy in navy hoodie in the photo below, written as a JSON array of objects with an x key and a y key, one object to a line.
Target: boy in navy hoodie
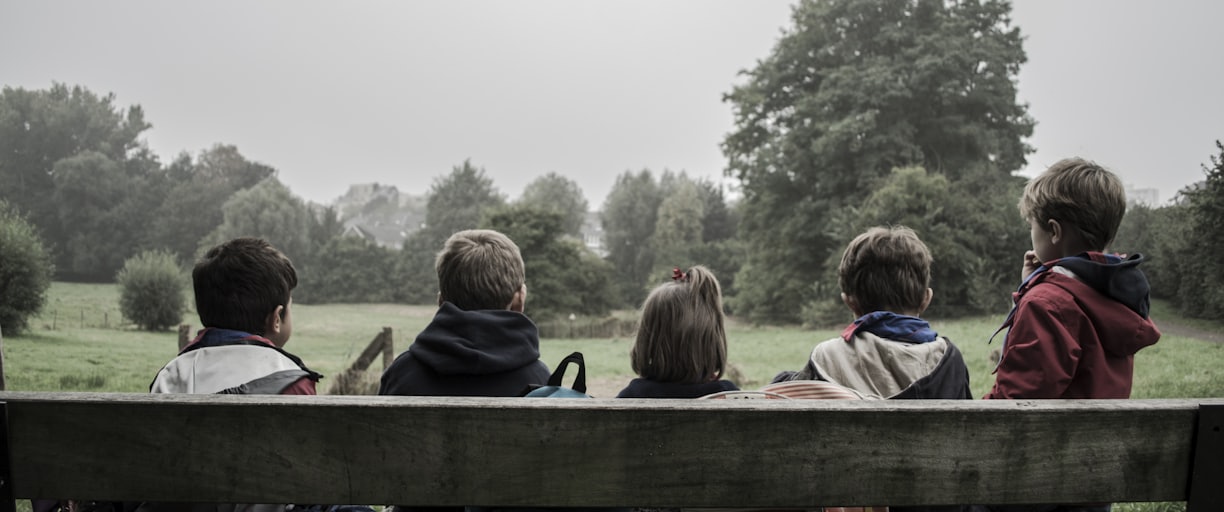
[{"x": 479, "y": 342}]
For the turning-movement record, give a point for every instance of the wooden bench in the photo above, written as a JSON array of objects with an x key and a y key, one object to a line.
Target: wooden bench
[{"x": 602, "y": 452}]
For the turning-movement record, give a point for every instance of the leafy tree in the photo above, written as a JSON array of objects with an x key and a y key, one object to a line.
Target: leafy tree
[
  {"x": 562, "y": 278},
  {"x": 971, "y": 273},
  {"x": 350, "y": 270},
  {"x": 1201, "y": 290},
  {"x": 38, "y": 128},
  {"x": 629, "y": 217},
  {"x": 678, "y": 228},
  {"x": 151, "y": 290},
  {"x": 74, "y": 164},
  {"x": 1165, "y": 238},
  {"x": 457, "y": 201},
  {"x": 26, "y": 271},
  {"x": 852, "y": 90},
  {"x": 556, "y": 193},
  {"x": 269, "y": 211},
  {"x": 191, "y": 207}
]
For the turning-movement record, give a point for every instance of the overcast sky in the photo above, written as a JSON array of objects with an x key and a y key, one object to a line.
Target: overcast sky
[{"x": 335, "y": 93}]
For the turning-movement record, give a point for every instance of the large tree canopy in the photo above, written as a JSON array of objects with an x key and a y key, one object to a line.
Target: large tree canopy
[
  {"x": 556, "y": 193},
  {"x": 851, "y": 91}
]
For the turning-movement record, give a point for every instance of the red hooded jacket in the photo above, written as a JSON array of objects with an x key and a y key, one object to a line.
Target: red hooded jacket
[{"x": 1075, "y": 330}]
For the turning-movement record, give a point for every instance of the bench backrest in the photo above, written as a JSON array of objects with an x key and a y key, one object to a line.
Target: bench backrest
[{"x": 603, "y": 452}]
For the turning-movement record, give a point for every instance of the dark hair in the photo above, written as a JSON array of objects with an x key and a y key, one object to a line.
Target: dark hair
[
  {"x": 681, "y": 335},
  {"x": 886, "y": 269},
  {"x": 240, "y": 282}
]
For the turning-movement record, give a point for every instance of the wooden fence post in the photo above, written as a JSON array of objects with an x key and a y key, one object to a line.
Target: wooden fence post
[
  {"x": 184, "y": 336},
  {"x": 1, "y": 358},
  {"x": 388, "y": 348}
]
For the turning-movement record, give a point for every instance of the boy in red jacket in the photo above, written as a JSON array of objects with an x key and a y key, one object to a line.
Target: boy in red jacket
[{"x": 1080, "y": 314}]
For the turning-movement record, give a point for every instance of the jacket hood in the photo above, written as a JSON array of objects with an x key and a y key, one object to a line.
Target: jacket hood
[
  {"x": 481, "y": 342},
  {"x": 1113, "y": 293},
  {"x": 884, "y": 368},
  {"x": 1114, "y": 277}
]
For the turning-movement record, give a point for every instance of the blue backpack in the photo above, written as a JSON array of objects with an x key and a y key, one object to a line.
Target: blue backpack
[{"x": 554, "y": 389}]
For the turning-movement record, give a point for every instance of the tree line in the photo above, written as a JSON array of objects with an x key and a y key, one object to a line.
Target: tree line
[{"x": 863, "y": 113}]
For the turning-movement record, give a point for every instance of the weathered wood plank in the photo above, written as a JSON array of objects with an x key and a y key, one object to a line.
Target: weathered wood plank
[{"x": 523, "y": 452}]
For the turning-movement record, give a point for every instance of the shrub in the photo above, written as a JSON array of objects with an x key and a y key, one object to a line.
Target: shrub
[
  {"x": 25, "y": 271},
  {"x": 151, "y": 290}
]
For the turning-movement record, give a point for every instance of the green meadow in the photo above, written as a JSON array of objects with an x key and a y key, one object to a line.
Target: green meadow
[{"x": 80, "y": 343}]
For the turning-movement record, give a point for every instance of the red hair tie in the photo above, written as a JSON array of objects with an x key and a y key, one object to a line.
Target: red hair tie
[{"x": 677, "y": 275}]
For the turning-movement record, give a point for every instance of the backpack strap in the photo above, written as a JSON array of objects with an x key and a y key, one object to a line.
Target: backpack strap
[{"x": 559, "y": 374}]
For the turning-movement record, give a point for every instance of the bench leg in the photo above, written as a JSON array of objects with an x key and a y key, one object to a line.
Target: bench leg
[
  {"x": 7, "y": 504},
  {"x": 1207, "y": 471}
]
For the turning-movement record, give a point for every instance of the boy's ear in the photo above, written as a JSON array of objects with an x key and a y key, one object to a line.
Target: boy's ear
[
  {"x": 273, "y": 324},
  {"x": 926, "y": 302},
  {"x": 851, "y": 303},
  {"x": 1055, "y": 230},
  {"x": 519, "y": 302}
]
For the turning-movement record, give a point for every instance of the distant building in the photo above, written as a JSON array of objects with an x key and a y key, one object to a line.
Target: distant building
[
  {"x": 593, "y": 235},
  {"x": 1149, "y": 197},
  {"x": 380, "y": 213}
]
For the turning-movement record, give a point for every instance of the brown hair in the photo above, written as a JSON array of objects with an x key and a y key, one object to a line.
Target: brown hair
[
  {"x": 479, "y": 269},
  {"x": 681, "y": 337},
  {"x": 886, "y": 269},
  {"x": 1080, "y": 193},
  {"x": 240, "y": 282}
]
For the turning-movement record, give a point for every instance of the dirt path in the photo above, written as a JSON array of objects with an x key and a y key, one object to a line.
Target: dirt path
[{"x": 1176, "y": 329}]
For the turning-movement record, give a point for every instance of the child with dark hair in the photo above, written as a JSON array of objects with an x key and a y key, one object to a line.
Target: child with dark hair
[
  {"x": 681, "y": 346},
  {"x": 243, "y": 296}
]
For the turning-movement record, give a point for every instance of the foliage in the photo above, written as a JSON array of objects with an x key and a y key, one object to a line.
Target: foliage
[
  {"x": 25, "y": 273},
  {"x": 350, "y": 270},
  {"x": 652, "y": 226},
  {"x": 970, "y": 273},
  {"x": 1201, "y": 290},
  {"x": 562, "y": 277},
  {"x": 559, "y": 194},
  {"x": 269, "y": 211},
  {"x": 72, "y": 162},
  {"x": 678, "y": 223},
  {"x": 152, "y": 290},
  {"x": 1164, "y": 237},
  {"x": 629, "y": 216},
  {"x": 852, "y": 90},
  {"x": 195, "y": 193}
]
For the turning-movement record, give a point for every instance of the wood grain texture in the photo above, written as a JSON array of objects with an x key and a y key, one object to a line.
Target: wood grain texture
[{"x": 557, "y": 452}]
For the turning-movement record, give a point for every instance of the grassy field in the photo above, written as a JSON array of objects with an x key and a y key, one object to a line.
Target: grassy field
[{"x": 80, "y": 344}]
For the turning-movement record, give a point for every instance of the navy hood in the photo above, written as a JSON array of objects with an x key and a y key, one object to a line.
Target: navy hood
[
  {"x": 480, "y": 342},
  {"x": 1117, "y": 278}
]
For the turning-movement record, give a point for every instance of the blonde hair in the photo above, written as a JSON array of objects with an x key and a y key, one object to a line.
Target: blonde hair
[
  {"x": 1077, "y": 192},
  {"x": 886, "y": 269},
  {"x": 681, "y": 337},
  {"x": 479, "y": 269}
]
